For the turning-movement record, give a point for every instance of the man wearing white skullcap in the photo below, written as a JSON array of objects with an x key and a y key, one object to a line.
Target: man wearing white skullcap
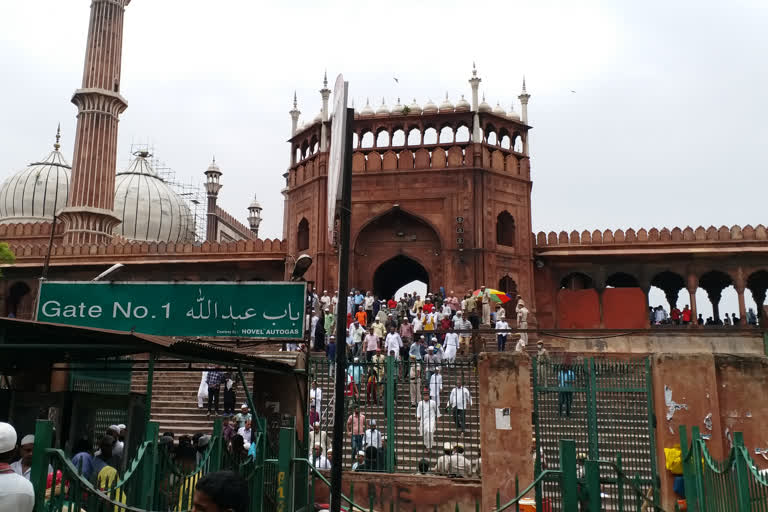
[
  {"x": 23, "y": 466},
  {"x": 16, "y": 492}
]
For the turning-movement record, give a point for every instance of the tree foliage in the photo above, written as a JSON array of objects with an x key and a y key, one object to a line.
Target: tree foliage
[{"x": 6, "y": 255}]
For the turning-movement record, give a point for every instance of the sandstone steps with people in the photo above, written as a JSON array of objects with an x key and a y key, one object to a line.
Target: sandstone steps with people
[
  {"x": 409, "y": 445},
  {"x": 174, "y": 399}
]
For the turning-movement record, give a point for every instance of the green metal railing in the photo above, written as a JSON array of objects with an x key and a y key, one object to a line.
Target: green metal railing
[
  {"x": 730, "y": 485},
  {"x": 390, "y": 391},
  {"x": 153, "y": 481},
  {"x": 604, "y": 405}
]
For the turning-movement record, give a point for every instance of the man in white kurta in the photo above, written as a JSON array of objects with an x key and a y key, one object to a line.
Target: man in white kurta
[
  {"x": 451, "y": 345},
  {"x": 427, "y": 414},
  {"x": 316, "y": 398},
  {"x": 436, "y": 386},
  {"x": 393, "y": 342}
]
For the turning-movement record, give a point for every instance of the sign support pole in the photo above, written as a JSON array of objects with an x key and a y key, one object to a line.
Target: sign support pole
[{"x": 341, "y": 316}]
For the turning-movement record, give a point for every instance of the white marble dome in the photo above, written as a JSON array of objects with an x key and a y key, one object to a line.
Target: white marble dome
[
  {"x": 484, "y": 106},
  {"x": 430, "y": 107},
  {"x": 36, "y": 192},
  {"x": 446, "y": 105},
  {"x": 148, "y": 207},
  {"x": 367, "y": 110},
  {"x": 414, "y": 108},
  {"x": 463, "y": 105}
]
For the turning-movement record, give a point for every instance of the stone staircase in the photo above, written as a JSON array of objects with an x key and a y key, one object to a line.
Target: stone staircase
[
  {"x": 409, "y": 445},
  {"x": 174, "y": 399}
]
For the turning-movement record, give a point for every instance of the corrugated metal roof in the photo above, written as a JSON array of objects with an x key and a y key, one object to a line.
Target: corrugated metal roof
[{"x": 41, "y": 341}]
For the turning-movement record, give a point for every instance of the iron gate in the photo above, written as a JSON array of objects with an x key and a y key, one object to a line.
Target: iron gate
[{"x": 606, "y": 407}]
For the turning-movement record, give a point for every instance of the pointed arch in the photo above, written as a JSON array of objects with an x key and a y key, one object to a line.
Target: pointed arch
[
  {"x": 302, "y": 235},
  {"x": 505, "y": 229}
]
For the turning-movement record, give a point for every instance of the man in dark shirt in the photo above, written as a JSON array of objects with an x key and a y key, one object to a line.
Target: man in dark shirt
[{"x": 215, "y": 377}]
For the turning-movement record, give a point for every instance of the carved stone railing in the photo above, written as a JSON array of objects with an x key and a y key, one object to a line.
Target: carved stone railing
[{"x": 653, "y": 236}]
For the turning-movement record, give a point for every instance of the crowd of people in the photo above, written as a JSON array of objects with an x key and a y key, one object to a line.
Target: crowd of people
[
  {"x": 395, "y": 324},
  {"x": 659, "y": 316},
  {"x": 102, "y": 466}
]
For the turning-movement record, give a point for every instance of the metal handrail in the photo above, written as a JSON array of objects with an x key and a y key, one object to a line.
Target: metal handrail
[{"x": 525, "y": 491}]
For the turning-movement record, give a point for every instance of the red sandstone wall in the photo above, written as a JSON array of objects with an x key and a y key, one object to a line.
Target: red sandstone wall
[
  {"x": 742, "y": 384},
  {"x": 544, "y": 298},
  {"x": 404, "y": 492},
  {"x": 693, "y": 385},
  {"x": 505, "y": 383},
  {"x": 578, "y": 309},
  {"x": 624, "y": 308}
]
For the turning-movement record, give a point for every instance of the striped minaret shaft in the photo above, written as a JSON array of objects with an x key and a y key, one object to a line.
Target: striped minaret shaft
[{"x": 89, "y": 217}]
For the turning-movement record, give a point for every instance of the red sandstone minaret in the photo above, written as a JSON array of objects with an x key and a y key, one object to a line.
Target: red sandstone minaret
[{"x": 89, "y": 216}]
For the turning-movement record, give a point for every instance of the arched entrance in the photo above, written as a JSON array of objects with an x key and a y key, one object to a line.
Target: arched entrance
[
  {"x": 396, "y": 272},
  {"x": 394, "y": 249}
]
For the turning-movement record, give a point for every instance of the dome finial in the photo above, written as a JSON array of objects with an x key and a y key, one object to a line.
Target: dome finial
[
  {"x": 56, "y": 146},
  {"x": 474, "y": 69},
  {"x": 325, "y": 79},
  {"x": 295, "y": 102},
  {"x": 524, "y": 91}
]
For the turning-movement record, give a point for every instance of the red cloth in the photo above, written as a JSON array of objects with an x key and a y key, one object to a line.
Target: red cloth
[
  {"x": 674, "y": 314},
  {"x": 349, "y": 320},
  {"x": 687, "y": 315},
  {"x": 429, "y": 307},
  {"x": 391, "y": 304}
]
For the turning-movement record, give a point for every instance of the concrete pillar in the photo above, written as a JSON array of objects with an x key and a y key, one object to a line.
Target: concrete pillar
[{"x": 505, "y": 407}]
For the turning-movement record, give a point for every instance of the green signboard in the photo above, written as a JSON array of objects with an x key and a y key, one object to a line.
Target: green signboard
[{"x": 245, "y": 310}]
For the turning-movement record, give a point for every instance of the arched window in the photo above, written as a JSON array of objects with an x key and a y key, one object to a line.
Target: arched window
[
  {"x": 302, "y": 235},
  {"x": 382, "y": 139},
  {"x": 505, "y": 229},
  {"x": 398, "y": 138},
  {"x": 462, "y": 134},
  {"x": 367, "y": 140}
]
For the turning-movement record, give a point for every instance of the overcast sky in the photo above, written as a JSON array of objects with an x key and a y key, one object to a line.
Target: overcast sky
[{"x": 666, "y": 127}]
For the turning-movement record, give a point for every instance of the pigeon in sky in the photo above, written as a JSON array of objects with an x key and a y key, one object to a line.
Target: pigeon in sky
[{"x": 395, "y": 79}]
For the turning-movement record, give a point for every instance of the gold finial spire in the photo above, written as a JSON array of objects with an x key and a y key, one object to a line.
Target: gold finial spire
[
  {"x": 325, "y": 79},
  {"x": 58, "y": 137}
]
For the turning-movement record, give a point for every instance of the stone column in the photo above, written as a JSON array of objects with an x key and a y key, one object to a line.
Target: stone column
[
  {"x": 692, "y": 297},
  {"x": 693, "y": 284},
  {"x": 714, "y": 298},
  {"x": 742, "y": 305},
  {"x": 506, "y": 439}
]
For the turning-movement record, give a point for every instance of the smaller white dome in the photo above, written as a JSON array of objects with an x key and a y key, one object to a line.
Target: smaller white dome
[
  {"x": 318, "y": 118},
  {"x": 398, "y": 108},
  {"x": 514, "y": 116},
  {"x": 148, "y": 208},
  {"x": 38, "y": 191},
  {"x": 414, "y": 107},
  {"x": 430, "y": 107},
  {"x": 498, "y": 109},
  {"x": 463, "y": 105},
  {"x": 484, "y": 106},
  {"x": 382, "y": 110},
  {"x": 255, "y": 204},
  {"x": 446, "y": 105},
  {"x": 367, "y": 110}
]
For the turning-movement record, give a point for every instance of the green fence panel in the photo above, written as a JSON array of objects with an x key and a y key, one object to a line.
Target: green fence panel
[{"x": 605, "y": 406}]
